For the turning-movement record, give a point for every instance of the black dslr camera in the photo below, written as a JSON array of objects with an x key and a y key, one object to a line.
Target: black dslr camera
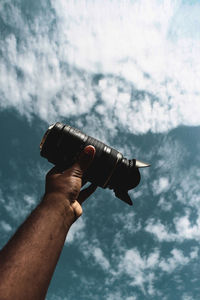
[{"x": 62, "y": 144}]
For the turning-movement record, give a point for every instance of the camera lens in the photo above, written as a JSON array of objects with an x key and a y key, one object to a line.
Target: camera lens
[{"x": 62, "y": 144}]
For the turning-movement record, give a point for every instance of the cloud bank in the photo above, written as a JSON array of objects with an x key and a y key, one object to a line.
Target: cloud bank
[{"x": 135, "y": 65}]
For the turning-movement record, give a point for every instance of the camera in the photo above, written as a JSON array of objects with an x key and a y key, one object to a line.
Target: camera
[{"x": 62, "y": 145}]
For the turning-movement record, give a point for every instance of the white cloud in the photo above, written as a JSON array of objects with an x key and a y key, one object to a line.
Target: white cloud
[
  {"x": 182, "y": 190},
  {"x": 92, "y": 251},
  {"x": 76, "y": 232},
  {"x": 187, "y": 297},
  {"x": 188, "y": 189},
  {"x": 135, "y": 266},
  {"x": 128, "y": 222},
  {"x": 100, "y": 258},
  {"x": 141, "y": 269},
  {"x": 170, "y": 153},
  {"x": 18, "y": 210},
  {"x": 2, "y": 200},
  {"x": 5, "y": 226},
  {"x": 185, "y": 229},
  {"x": 51, "y": 74},
  {"x": 30, "y": 200},
  {"x": 177, "y": 259},
  {"x": 159, "y": 231},
  {"x": 160, "y": 185},
  {"x": 165, "y": 204},
  {"x": 119, "y": 296}
]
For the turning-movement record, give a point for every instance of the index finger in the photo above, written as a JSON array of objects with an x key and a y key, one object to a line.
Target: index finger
[{"x": 84, "y": 160}]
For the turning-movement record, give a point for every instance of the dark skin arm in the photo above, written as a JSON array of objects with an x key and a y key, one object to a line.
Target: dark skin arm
[{"x": 28, "y": 260}]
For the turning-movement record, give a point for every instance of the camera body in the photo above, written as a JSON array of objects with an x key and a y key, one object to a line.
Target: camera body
[{"x": 62, "y": 145}]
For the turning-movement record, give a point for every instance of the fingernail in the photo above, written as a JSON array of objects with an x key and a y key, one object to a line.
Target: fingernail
[{"x": 88, "y": 150}]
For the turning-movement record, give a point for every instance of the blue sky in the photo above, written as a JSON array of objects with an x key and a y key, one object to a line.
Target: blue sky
[{"x": 125, "y": 72}]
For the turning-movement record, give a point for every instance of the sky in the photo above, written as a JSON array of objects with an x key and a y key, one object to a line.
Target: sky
[{"x": 125, "y": 72}]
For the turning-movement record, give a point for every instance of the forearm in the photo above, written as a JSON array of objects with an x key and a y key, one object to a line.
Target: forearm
[{"x": 28, "y": 261}]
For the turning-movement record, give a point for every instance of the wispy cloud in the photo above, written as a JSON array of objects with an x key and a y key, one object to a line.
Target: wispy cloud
[
  {"x": 18, "y": 205},
  {"x": 128, "y": 223},
  {"x": 6, "y": 227},
  {"x": 77, "y": 231},
  {"x": 2, "y": 200},
  {"x": 160, "y": 185},
  {"x": 142, "y": 269},
  {"x": 160, "y": 231},
  {"x": 119, "y": 295},
  {"x": 100, "y": 258},
  {"x": 186, "y": 227},
  {"x": 134, "y": 265},
  {"x": 177, "y": 260},
  {"x": 92, "y": 251}
]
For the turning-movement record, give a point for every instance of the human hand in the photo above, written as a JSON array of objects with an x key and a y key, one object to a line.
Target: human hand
[{"x": 66, "y": 185}]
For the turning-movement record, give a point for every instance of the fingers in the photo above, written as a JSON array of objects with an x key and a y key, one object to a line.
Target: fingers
[
  {"x": 84, "y": 161},
  {"x": 81, "y": 165},
  {"x": 86, "y": 158},
  {"x": 84, "y": 194}
]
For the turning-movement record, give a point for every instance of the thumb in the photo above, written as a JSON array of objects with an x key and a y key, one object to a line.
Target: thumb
[{"x": 85, "y": 158}]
